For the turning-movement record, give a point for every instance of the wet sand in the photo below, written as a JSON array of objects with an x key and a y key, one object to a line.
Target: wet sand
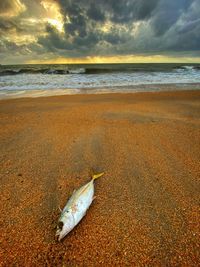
[{"x": 147, "y": 206}]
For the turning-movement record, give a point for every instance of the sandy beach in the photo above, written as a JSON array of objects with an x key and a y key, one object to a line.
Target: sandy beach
[{"x": 146, "y": 211}]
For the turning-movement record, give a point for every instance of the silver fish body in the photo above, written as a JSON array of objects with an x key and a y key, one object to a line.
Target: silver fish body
[{"x": 76, "y": 208}]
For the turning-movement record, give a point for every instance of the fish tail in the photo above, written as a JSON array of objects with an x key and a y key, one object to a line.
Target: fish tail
[{"x": 95, "y": 176}]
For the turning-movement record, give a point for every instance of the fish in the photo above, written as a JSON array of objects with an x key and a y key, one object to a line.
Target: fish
[{"x": 76, "y": 208}]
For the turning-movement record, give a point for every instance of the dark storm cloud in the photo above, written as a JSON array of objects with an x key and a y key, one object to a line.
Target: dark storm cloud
[
  {"x": 117, "y": 11},
  {"x": 162, "y": 15},
  {"x": 188, "y": 39},
  {"x": 82, "y": 20},
  {"x": 96, "y": 13},
  {"x": 81, "y": 16},
  {"x": 77, "y": 25},
  {"x": 54, "y": 40},
  {"x": 127, "y": 10},
  {"x": 167, "y": 14},
  {"x": 186, "y": 33},
  {"x": 189, "y": 26},
  {"x": 90, "y": 40},
  {"x": 104, "y": 27}
]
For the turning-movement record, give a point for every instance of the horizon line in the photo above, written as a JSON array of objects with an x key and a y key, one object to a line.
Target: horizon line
[{"x": 99, "y": 63}]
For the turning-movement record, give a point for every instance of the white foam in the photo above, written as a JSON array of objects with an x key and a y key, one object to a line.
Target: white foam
[
  {"x": 44, "y": 84},
  {"x": 76, "y": 71}
]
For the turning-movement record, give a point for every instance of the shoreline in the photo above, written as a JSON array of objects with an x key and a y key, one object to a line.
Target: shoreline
[
  {"x": 147, "y": 206},
  {"x": 15, "y": 94}
]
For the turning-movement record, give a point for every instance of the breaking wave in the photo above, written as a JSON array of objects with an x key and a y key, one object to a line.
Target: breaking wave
[
  {"x": 93, "y": 69},
  {"x": 41, "y": 70},
  {"x": 19, "y": 80}
]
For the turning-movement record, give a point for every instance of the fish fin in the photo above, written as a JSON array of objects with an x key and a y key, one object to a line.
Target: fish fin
[
  {"x": 94, "y": 198},
  {"x": 95, "y": 176},
  {"x": 59, "y": 209}
]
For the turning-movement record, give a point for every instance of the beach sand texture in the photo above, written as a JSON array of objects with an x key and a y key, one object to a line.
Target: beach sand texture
[{"x": 147, "y": 205}]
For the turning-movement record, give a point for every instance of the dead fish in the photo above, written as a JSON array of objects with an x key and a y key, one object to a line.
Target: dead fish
[{"x": 76, "y": 208}]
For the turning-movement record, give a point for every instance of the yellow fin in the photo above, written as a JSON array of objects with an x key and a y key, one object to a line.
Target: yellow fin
[{"x": 95, "y": 176}]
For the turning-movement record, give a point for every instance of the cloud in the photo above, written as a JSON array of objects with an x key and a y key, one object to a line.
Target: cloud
[
  {"x": 54, "y": 41},
  {"x": 167, "y": 14},
  {"x": 127, "y": 10},
  {"x": 96, "y": 13},
  {"x": 11, "y": 8},
  {"x": 81, "y": 28}
]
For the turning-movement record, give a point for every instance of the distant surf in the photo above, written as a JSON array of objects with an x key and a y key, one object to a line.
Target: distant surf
[
  {"x": 21, "y": 80},
  {"x": 92, "y": 68}
]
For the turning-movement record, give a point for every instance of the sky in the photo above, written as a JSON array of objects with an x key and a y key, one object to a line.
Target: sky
[{"x": 99, "y": 31}]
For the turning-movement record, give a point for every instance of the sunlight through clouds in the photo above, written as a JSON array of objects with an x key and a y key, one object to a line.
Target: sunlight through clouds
[
  {"x": 12, "y": 8},
  {"x": 99, "y": 31},
  {"x": 54, "y": 16}
]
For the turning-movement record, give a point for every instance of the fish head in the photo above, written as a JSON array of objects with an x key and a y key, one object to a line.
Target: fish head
[{"x": 65, "y": 225}]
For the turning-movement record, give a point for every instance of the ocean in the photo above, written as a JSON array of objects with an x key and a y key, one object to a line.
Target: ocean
[{"x": 40, "y": 80}]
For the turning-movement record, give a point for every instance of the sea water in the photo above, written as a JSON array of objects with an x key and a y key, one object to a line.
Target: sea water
[{"x": 37, "y": 80}]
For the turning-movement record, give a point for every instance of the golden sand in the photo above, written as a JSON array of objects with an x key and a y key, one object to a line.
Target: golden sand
[{"x": 147, "y": 205}]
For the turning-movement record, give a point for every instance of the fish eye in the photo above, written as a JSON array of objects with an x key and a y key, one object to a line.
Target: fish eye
[{"x": 60, "y": 225}]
